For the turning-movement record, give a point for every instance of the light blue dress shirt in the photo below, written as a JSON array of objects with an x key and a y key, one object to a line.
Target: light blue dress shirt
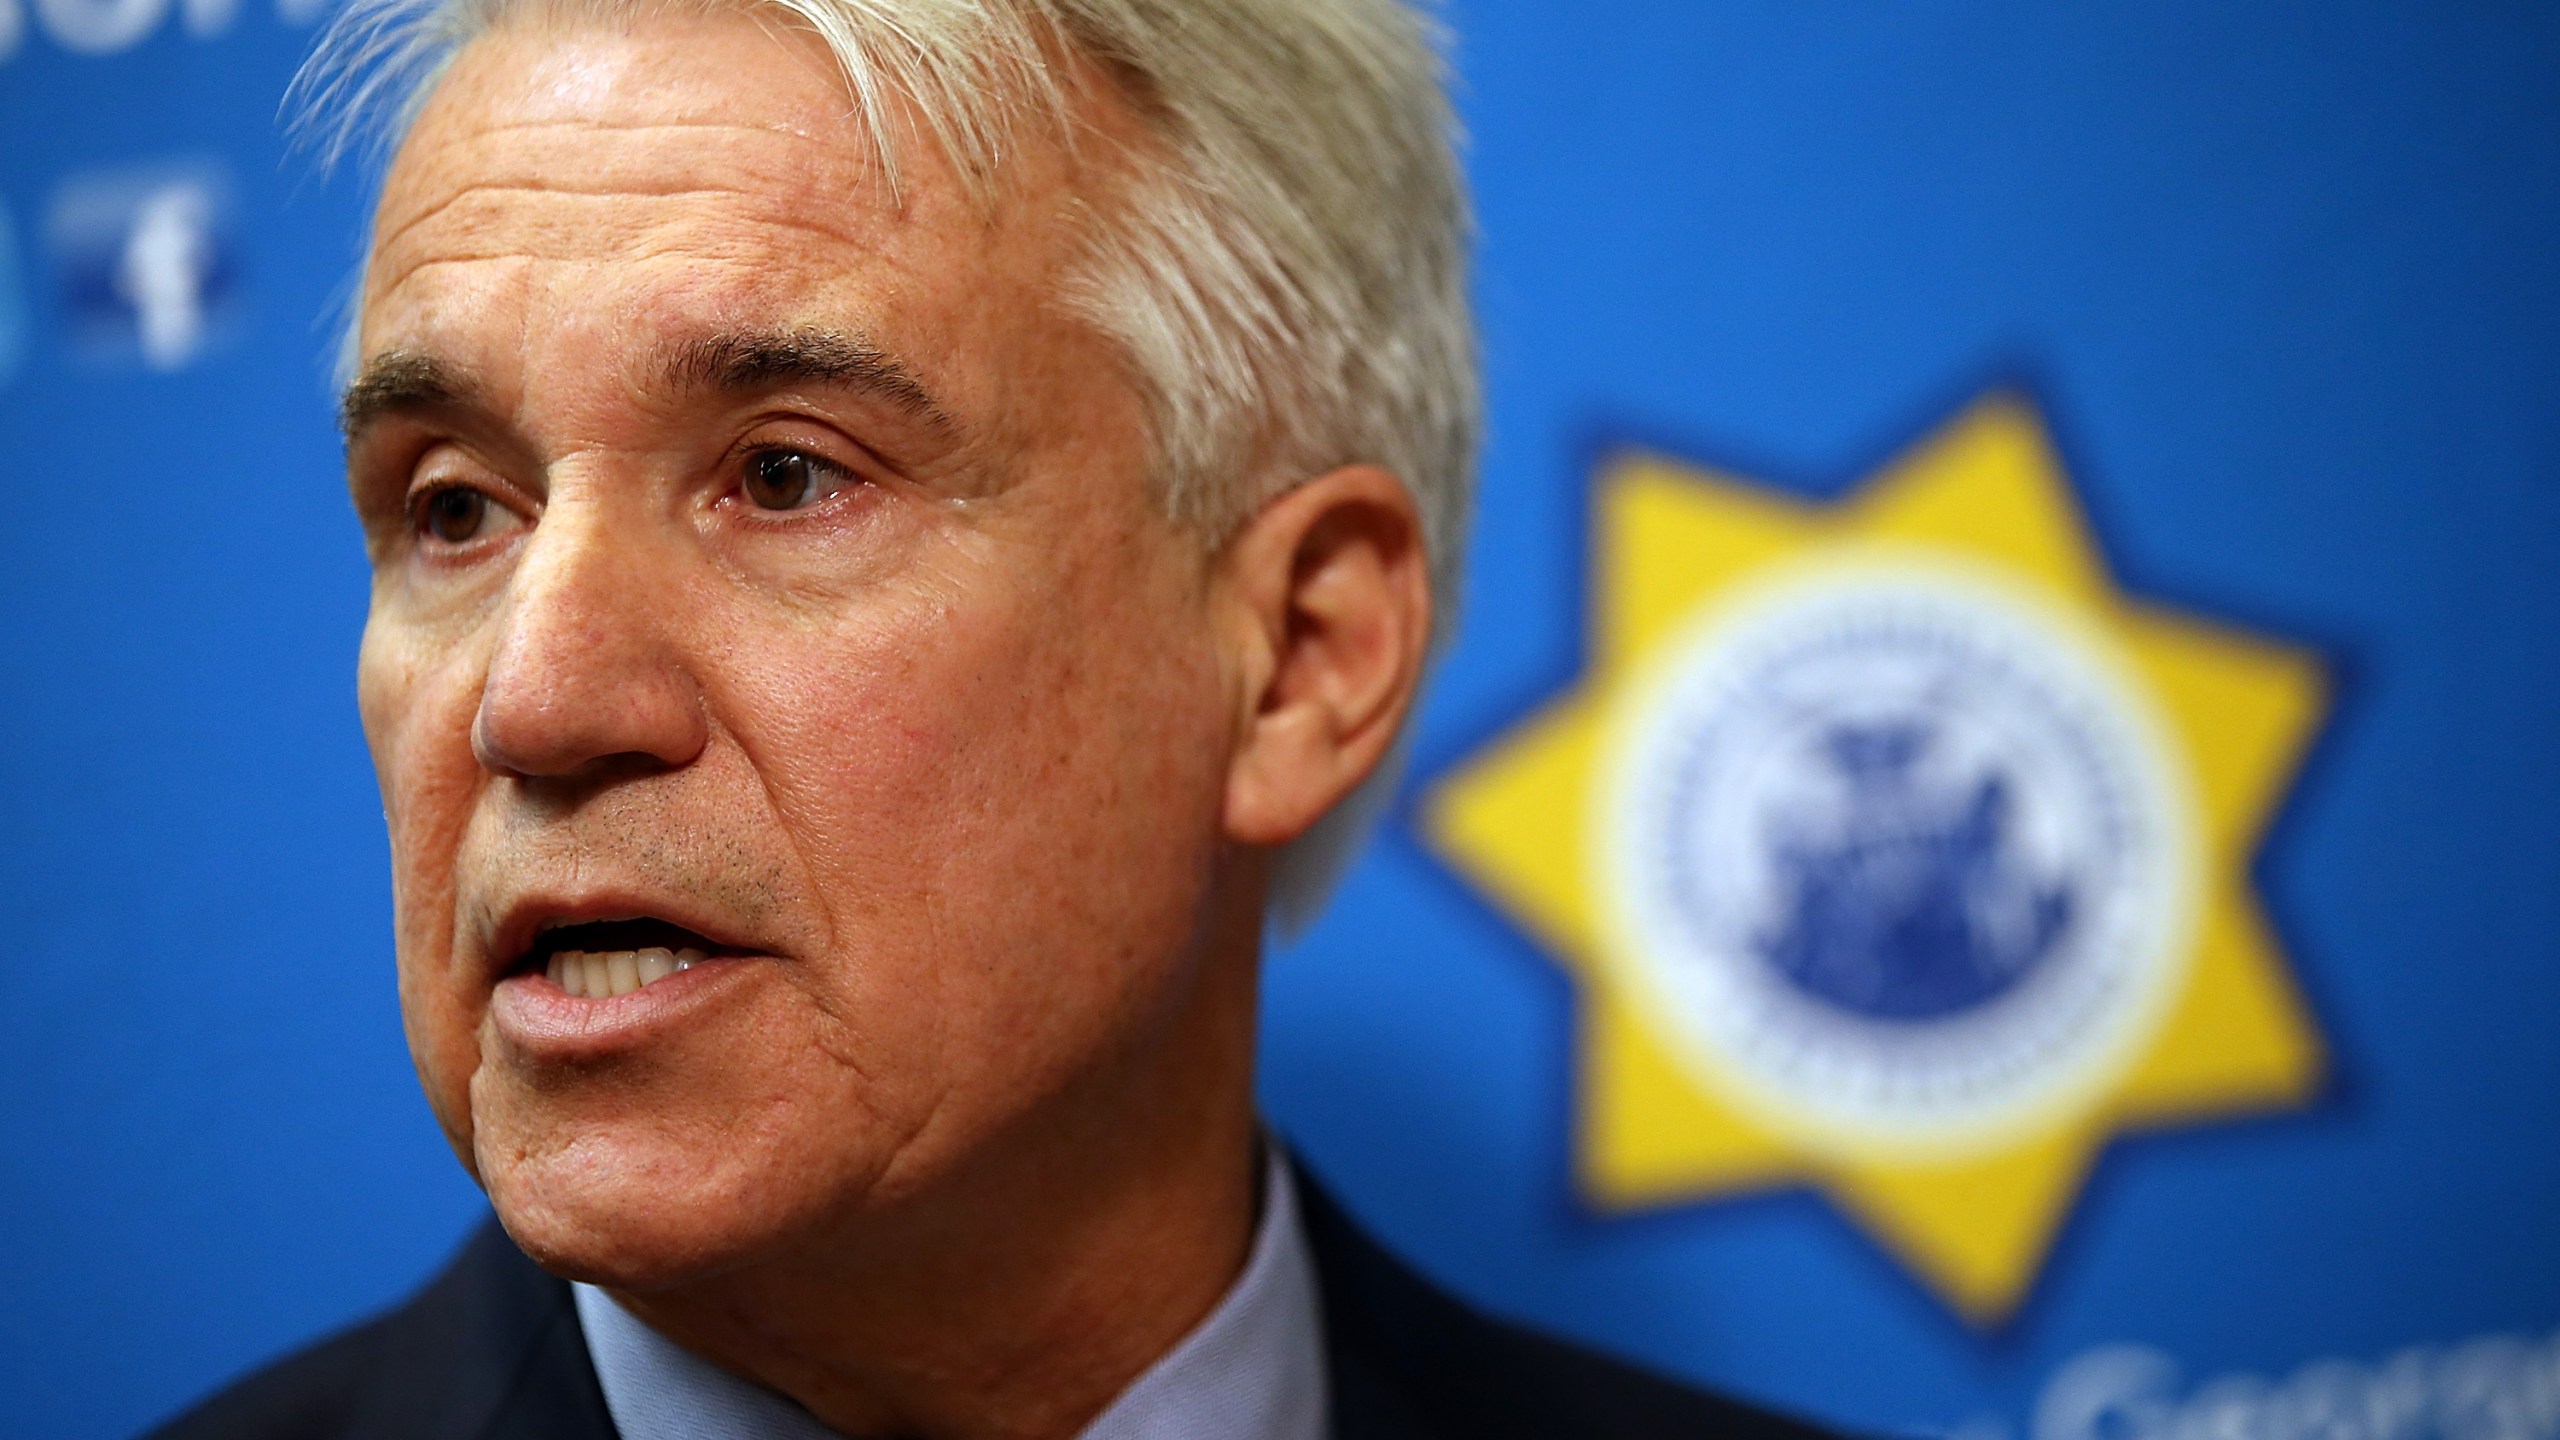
[{"x": 1252, "y": 1370}]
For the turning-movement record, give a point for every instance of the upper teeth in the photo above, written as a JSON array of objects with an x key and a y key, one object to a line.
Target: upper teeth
[{"x": 600, "y": 974}]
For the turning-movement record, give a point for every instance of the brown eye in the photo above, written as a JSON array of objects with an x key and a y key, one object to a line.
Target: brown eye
[
  {"x": 456, "y": 514},
  {"x": 791, "y": 479}
]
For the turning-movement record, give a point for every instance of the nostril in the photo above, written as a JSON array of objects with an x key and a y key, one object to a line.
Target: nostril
[
  {"x": 588, "y": 664},
  {"x": 493, "y": 756},
  {"x": 622, "y": 704}
]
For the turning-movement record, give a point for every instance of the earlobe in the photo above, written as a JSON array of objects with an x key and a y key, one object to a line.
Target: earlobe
[{"x": 1333, "y": 582}]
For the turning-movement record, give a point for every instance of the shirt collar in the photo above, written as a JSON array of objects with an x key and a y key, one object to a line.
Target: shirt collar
[{"x": 1252, "y": 1370}]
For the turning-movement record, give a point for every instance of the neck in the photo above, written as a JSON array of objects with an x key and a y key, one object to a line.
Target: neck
[{"x": 1015, "y": 1301}]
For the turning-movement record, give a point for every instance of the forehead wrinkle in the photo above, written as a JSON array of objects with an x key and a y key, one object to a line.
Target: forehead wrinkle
[
  {"x": 496, "y": 128},
  {"x": 387, "y": 282},
  {"x": 515, "y": 214},
  {"x": 769, "y": 182},
  {"x": 646, "y": 149},
  {"x": 566, "y": 192}
]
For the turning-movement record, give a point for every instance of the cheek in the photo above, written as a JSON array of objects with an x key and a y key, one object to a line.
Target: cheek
[
  {"x": 1000, "y": 792},
  {"x": 418, "y": 693},
  {"x": 417, "y": 718}
]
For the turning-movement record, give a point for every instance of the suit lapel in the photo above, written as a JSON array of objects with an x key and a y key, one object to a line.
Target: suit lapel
[{"x": 490, "y": 1351}]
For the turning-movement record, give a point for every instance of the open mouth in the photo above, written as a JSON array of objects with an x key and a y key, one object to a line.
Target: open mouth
[{"x": 599, "y": 959}]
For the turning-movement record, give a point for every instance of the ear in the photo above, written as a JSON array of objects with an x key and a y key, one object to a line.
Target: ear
[{"x": 1330, "y": 598}]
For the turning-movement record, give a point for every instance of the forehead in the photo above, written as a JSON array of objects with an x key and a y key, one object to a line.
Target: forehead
[{"x": 698, "y": 171}]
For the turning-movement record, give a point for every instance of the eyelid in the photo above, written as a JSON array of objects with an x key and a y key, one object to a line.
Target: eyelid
[
  {"x": 508, "y": 509},
  {"x": 452, "y": 458},
  {"x": 500, "y": 495},
  {"x": 806, "y": 452},
  {"x": 807, "y": 434}
]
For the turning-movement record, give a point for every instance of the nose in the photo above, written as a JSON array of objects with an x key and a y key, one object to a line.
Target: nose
[{"x": 588, "y": 676}]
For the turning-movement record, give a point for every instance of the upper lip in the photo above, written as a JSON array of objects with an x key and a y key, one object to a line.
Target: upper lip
[{"x": 523, "y": 922}]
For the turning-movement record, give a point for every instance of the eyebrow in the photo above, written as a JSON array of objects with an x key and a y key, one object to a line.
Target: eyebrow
[
  {"x": 739, "y": 362},
  {"x": 399, "y": 380},
  {"x": 742, "y": 362}
]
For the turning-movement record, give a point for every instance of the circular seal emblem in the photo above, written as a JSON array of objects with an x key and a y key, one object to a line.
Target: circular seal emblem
[{"x": 1902, "y": 859}]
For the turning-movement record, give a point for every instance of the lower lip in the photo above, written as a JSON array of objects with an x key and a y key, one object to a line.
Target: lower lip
[{"x": 546, "y": 1022}]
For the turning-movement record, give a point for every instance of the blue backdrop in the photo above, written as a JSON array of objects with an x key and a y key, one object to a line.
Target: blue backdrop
[{"x": 2283, "y": 281}]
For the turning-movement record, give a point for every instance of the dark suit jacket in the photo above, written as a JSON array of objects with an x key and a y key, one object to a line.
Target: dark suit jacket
[{"x": 491, "y": 1350}]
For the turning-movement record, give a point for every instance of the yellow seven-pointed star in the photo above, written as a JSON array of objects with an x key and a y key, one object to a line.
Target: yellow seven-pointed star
[{"x": 1895, "y": 851}]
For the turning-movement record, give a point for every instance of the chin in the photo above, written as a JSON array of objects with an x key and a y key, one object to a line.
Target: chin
[{"x": 640, "y": 1217}]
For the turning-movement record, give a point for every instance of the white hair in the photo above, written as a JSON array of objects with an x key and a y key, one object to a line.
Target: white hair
[{"x": 1286, "y": 277}]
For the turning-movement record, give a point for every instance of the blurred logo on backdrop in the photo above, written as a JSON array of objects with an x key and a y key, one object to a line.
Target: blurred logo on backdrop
[
  {"x": 1896, "y": 851},
  {"x": 110, "y": 27},
  {"x": 147, "y": 262},
  {"x": 2501, "y": 1386}
]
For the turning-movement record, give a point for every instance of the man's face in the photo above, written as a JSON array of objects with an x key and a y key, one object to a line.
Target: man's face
[{"x": 765, "y": 569}]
